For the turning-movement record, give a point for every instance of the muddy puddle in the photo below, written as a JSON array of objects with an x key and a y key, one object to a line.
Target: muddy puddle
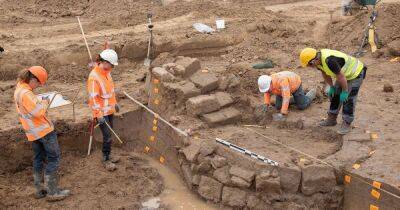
[{"x": 175, "y": 195}]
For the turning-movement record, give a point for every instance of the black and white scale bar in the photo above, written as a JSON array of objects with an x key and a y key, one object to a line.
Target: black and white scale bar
[{"x": 246, "y": 152}]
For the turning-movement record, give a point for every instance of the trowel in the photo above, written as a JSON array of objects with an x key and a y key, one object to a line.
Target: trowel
[{"x": 147, "y": 61}]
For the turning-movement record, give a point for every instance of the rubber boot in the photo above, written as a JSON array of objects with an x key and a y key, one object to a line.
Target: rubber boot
[
  {"x": 37, "y": 181},
  {"x": 53, "y": 192},
  {"x": 108, "y": 165},
  {"x": 344, "y": 128},
  {"x": 330, "y": 121},
  {"x": 312, "y": 94}
]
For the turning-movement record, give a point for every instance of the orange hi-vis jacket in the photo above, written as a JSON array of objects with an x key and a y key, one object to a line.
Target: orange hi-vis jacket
[
  {"x": 100, "y": 87},
  {"x": 284, "y": 84},
  {"x": 32, "y": 112}
]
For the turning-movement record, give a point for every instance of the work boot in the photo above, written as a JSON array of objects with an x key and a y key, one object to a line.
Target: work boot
[
  {"x": 53, "y": 192},
  {"x": 330, "y": 121},
  {"x": 344, "y": 128},
  {"x": 312, "y": 94},
  {"x": 108, "y": 164},
  {"x": 37, "y": 181}
]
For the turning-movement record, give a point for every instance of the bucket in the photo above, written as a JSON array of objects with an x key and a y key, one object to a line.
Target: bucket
[{"x": 220, "y": 23}]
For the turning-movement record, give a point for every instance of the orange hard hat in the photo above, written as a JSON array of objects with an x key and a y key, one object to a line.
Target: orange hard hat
[{"x": 40, "y": 73}]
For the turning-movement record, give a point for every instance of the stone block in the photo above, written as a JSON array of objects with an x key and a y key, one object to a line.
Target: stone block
[
  {"x": 222, "y": 175},
  {"x": 174, "y": 69},
  {"x": 224, "y": 99},
  {"x": 191, "y": 152},
  {"x": 210, "y": 189},
  {"x": 222, "y": 117},
  {"x": 317, "y": 178},
  {"x": 290, "y": 178},
  {"x": 239, "y": 182},
  {"x": 162, "y": 74},
  {"x": 190, "y": 66},
  {"x": 204, "y": 166},
  {"x": 179, "y": 92},
  {"x": 207, "y": 148},
  {"x": 187, "y": 175},
  {"x": 218, "y": 161},
  {"x": 202, "y": 104},
  {"x": 206, "y": 82},
  {"x": 267, "y": 183},
  {"x": 255, "y": 203},
  {"x": 233, "y": 197},
  {"x": 245, "y": 174},
  {"x": 229, "y": 82}
]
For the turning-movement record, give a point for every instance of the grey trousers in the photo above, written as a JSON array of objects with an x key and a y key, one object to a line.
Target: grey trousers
[{"x": 349, "y": 107}]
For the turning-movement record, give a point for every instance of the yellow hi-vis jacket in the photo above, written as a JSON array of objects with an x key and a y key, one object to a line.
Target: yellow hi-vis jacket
[
  {"x": 32, "y": 112},
  {"x": 102, "y": 98},
  {"x": 351, "y": 69}
]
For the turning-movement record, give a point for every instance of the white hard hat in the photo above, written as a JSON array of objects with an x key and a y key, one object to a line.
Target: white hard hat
[
  {"x": 264, "y": 83},
  {"x": 110, "y": 56}
]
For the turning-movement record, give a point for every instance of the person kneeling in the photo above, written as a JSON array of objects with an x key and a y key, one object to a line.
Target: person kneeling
[{"x": 283, "y": 85}]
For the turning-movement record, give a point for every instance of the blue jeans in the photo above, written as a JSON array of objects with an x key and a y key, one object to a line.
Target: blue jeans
[
  {"x": 300, "y": 99},
  {"x": 349, "y": 107},
  {"x": 46, "y": 148},
  {"x": 107, "y": 140}
]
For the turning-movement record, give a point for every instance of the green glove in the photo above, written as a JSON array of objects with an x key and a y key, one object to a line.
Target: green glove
[
  {"x": 331, "y": 91},
  {"x": 344, "y": 95}
]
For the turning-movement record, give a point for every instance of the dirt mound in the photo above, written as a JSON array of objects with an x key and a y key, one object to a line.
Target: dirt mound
[{"x": 347, "y": 34}]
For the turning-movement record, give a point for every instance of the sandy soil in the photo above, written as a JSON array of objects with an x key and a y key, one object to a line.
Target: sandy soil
[{"x": 34, "y": 32}]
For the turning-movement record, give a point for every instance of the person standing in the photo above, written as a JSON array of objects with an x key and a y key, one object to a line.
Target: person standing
[
  {"x": 348, "y": 72},
  {"x": 40, "y": 131},
  {"x": 102, "y": 101}
]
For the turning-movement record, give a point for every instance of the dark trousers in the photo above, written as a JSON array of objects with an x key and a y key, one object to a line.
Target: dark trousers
[
  {"x": 300, "y": 99},
  {"x": 107, "y": 140},
  {"x": 46, "y": 148},
  {"x": 349, "y": 107}
]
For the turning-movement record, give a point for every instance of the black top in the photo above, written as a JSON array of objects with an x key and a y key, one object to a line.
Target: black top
[{"x": 335, "y": 64}]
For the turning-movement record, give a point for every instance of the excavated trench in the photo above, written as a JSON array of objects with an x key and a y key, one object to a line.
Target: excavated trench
[
  {"x": 194, "y": 169},
  {"x": 214, "y": 172},
  {"x": 164, "y": 189}
]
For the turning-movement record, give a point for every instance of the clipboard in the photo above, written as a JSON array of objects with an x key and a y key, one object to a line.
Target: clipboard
[{"x": 56, "y": 99}]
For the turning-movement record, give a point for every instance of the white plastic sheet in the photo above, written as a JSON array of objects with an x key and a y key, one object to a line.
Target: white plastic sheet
[{"x": 203, "y": 28}]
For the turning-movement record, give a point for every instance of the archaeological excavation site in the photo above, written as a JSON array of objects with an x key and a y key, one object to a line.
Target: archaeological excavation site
[{"x": 193, "y": 130}]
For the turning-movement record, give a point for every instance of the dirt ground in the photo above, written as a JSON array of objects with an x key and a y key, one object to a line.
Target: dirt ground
[
  {"x": 92, "y": 186},
  {"x": 37, "y": 32}
]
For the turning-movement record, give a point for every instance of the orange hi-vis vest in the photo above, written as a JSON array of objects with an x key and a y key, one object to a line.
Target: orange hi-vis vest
[
  {"x": 283, "y": 84},
  {"x": 32, "y": 112},
  {"x": 100, "y": 87}
]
